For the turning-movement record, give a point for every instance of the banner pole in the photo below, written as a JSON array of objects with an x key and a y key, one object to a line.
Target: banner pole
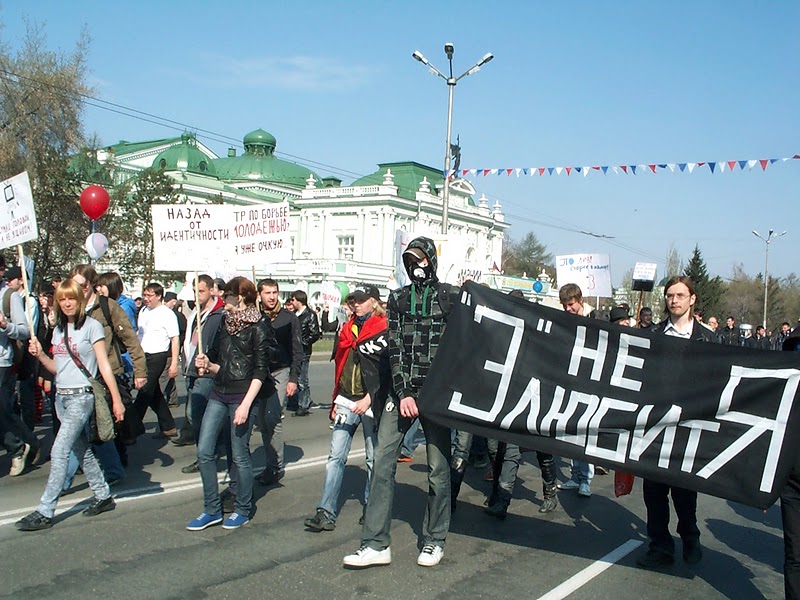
[
  {"x": 639, "y": 310},
  {"x": 25, "y": 303},
  {"x": 198, "y": 312}
]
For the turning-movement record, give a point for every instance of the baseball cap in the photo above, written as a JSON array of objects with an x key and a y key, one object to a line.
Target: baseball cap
[
  {"x": 170, "y": 296},
  {"x": 13, "y": 273},
  {"x": 369, "y": 291}
]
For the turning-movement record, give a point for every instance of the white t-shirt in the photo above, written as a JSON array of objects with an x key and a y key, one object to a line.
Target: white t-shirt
[
  {"x": 68, "y": 375},
  {"x": 156, "y": 327}
]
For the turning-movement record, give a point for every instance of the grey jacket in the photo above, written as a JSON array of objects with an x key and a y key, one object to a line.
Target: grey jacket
[{"x": 16, "y": 328}]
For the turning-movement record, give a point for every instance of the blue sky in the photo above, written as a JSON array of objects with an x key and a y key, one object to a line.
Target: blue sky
[{"x": 580, "y": 83}]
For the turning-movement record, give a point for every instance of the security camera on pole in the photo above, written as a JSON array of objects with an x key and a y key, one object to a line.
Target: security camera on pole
[{"x": 451, "y": 84}]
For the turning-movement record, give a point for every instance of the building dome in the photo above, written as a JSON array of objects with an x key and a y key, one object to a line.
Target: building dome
[
  {"x": 258, "y": 163},
  {"x": 186, "y": 156}
]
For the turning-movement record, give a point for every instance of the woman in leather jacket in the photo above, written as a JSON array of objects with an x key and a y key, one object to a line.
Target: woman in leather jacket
[{"x": 239, "y": 361}]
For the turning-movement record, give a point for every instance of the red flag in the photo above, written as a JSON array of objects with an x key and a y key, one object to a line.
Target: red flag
[
  {"x": 624, "y": 168},
  {"x": 731, "y": 164},
  {"x": 495, "y": 267},
  {"x": 541, "y": 169},
  {"x": 763, "y": 163},
  {"x": 569, "y": 170},
  {"x": 486, "y": 172},
  {"x": 652, "y": 168},
  {"x": 508, "y": 171}
]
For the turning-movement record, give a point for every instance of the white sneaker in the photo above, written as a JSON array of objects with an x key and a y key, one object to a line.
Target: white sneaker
[
  {"x": 584, "y": 490},
  {"x": 430, "y": 556},
  {"x": 18, "y": 462},
  {"x": 366, "y": 557},
  {"x": 569, "y": 484}
]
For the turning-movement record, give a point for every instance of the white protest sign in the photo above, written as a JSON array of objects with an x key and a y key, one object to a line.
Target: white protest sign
[
  {"x": 644, "y": 271},
  {"x": 592, "y": 272},
  {"x": 330, "y": 294},
  {"x": 17, "y": 216},
  {"x": 219, "y": 237}
]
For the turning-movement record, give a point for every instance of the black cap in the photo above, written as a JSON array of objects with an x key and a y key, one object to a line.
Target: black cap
[
  {"x": 369, "y": 291},
  {"x": 13, "y": 273},
  {"x": 170, "y": 296},
  {"x": 618, "y": 313}
]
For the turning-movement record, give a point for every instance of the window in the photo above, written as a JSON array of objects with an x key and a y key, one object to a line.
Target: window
[{"x": 347, "y": 246}]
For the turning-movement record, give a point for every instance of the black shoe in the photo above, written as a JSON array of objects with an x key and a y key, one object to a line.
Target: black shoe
[
  {"x": 35, "y": 521},
  {"x": 320, "y": 522},
  {"x": 655, "y": 559},
  {"x": 192, "y": 468},
  {"x": 301, "y": 412},
  {"x": 100, "y": 506},
  {"x": 692, "y": 552},
  {"x": 267, "y": 477},
  {"x": 182, "y": 441},
  {"x": 228, "y": 499}
]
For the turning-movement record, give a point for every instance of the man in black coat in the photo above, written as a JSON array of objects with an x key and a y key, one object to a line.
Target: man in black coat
[{"x": 309, "y": 333}]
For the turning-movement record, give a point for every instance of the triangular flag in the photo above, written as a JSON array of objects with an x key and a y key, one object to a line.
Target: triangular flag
[
  {"x": 509, "y": 171},
  {"x": 796, "y": 156},
  {"x": 624, "y": 169},
  {"x": 682, "y": 167},
  {"x": 578, "y": 169},
  {"x": 473, "y": 171},
  {"x": 731, "y": 165},
  {"x": 596, "y": 168},
  {"x": 772, "y": 161},
  {"x": 742, "y": 164},
  {"x": 550, "y": 170},
  {"x": 672, "y": 167},
  {"x": 784, "y": 159},
  {"x": 700, "y": 164},
  {"x": 712, "y": 166},
  {"x": 752, "y": 163},
  {"x": 652, "y": 168},
  {"x": 690, "y": 166},
  {"x": 558, "y": 170},
  {"x": 485, "y": 172},
  {"x": 586, "y": 171},
  {"x": 541, "y": 171},
  {"x": 633, "y": 168},
  {"x": 569, "y": 170},
  {"x": 604, "y": 170},
  {"x": 662, "y": 166},
  {"x": 616, "y": 171},
  {"x": 763, "y": 163},
  {"x": 524, "y": 171}
]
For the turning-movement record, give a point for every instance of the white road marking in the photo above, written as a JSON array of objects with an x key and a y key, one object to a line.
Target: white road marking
[
  {"x": 156, "y": 489},
  {"x": 583, "y": 577}
]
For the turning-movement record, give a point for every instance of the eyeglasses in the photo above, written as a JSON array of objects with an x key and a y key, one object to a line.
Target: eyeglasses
[
  {"x": 148, "y": 294},
  {"x": 679, "y": 296}
]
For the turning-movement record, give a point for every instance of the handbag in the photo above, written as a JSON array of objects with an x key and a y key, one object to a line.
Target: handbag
[{"x": 102, "y": 421}]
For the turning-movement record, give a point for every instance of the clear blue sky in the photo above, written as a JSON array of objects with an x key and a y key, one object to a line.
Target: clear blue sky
[{"x": 580, "y": 83}]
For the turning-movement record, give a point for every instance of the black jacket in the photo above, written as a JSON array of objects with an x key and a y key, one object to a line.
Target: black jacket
[
  {"x": 243, "y": 357},
  {"x": 289, "y": 348},
  {"x": 309, "y": 329},
  {"x": 211, "y": 326},
  {"x": 700, "y": 333}
]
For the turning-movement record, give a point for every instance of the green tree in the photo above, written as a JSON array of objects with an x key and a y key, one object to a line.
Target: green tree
[
  {"x": 130, "y": 230},
  {"x": 743, "y": 299},
  {"x": 40, "y": 127},
  {"x": 709, "y": 289},
  {"x": 527, "y": 257}
]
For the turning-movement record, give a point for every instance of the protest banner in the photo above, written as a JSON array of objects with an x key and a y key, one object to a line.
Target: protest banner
[
  {"x": 219, "y": 236},
  {"x": 592, "y": 272},
  {"x": 718, "y": 419},
  {"x": 17, "y": 215}
]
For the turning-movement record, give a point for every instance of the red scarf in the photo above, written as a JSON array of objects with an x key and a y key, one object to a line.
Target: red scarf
[{"x": 347, "y": 341}]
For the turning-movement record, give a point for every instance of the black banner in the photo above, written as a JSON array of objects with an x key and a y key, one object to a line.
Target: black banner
[{"x": 717, "y": 419}]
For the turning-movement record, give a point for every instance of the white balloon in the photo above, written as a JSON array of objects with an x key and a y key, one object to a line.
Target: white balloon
[{"x": 96, "y": 245}]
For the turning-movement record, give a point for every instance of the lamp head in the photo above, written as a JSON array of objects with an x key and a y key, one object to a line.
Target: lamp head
[
  {"x": 486, "y": 58},
  {"x": 448, "y": 50},
  {"x": 417, "y": 55}
]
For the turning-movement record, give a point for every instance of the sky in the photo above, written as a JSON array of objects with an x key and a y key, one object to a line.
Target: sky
[{"x": 571, "y": 84}]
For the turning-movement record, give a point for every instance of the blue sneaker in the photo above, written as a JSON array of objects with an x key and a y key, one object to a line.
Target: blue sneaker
[
  {"x": 203, "y": 521},
  {"x": 235, "y": 521}
]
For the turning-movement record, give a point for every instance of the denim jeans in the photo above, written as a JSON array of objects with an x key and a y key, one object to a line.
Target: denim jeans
[
  {"x": 13, "y": 431},
  {"x": 73, "y": 412},
  {"x": 582, "y": 472},
  {"x": 341, "y": 440},
  {"x": 106, "y": 454},
  {"x": 413, "y": 438},
  {"x": 198, "y": 389},
  {"x": 217, "y": 416},
  {"x": 270, "y": 409},
  {"x": 304, "y": 393},
  {"x": 378, "y": 516}
]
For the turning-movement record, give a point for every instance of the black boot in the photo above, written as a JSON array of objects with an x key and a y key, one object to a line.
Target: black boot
[
  {"x": 499, "y": 508},
  {"x": 549, "y": 497}
]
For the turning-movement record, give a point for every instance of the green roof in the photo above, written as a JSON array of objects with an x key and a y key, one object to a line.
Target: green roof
[
  {"x": 186, "y": 156},
  {"x": 407, "y": 177},
  {"x": 259, "y": 163},
  {"x": 126, "y": 147}
]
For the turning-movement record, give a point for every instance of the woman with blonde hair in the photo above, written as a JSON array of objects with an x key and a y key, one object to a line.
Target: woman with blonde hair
[{"x": 78, "y": 345}]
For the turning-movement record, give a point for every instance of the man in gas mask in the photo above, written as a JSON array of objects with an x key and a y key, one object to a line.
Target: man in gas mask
[{"x": 417, "y": 319}]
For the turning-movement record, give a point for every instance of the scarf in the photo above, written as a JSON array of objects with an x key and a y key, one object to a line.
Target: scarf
[
  {"x": 274, "y": 312},
  {"x": 238, "y": 320}
]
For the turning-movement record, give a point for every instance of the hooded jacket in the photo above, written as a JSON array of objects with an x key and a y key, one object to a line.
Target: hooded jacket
[{"x": 417, "y": 320}]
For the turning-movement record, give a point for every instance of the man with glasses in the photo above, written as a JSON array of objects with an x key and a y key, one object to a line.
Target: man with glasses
[
  {"x": 680, "y": 297},
  {"x": 159, "y": 337}
]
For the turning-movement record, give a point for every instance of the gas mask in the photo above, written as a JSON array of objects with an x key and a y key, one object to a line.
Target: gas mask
[{"x": 418, "y": 270}]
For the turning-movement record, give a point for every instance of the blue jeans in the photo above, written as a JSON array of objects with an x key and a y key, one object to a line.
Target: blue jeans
[
  {"x": 378, "y": 516},
  {"x": 217, "y": 416},
  {"x": 304, "y": 393},
  {"x": 73, "y": 412},
  {"x": 108, "y": 457},
  {"x": 413, "y": 438},
  {"x": 198, "y": 389},
  {"x": 582, "y": 472},
  {"x": 341, "y": 440}
]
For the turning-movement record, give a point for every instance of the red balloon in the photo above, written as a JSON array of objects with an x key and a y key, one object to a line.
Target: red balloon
[{"x": 94, "y": 202}]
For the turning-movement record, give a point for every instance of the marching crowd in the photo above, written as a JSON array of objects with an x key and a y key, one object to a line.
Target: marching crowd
[{"x": 90, "y": 352}]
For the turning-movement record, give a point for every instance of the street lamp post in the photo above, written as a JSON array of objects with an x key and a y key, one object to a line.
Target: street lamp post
[
  {"x": 766, "y": 241},
  {"x": 451, "y": 84}
]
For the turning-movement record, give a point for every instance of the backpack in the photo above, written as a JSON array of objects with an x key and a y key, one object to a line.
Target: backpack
[{"x": 17, "y": 346}]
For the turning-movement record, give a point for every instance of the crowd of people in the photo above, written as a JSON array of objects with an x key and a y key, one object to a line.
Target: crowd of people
[{"x": 245, "y": 357}]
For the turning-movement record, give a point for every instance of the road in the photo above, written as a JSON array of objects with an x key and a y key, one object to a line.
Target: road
[{"x": 585, "y": 549}]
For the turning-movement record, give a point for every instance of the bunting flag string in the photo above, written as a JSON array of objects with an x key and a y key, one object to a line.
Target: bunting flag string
[{"x": 719, "y": 166}]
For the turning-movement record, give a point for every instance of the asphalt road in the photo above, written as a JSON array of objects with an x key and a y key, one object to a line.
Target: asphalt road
[{"x": 585, "y": 549}]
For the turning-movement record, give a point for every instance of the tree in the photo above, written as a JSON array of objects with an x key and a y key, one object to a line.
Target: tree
[
  {"x": 674, "y": 263},
  {"x": 527, "y": 257},
  {"x": 709, "y": 290},
  {"x": 743, "y": 298},
  {"x": 130, "y": 231},
  {"x": 40, "y": 127}
]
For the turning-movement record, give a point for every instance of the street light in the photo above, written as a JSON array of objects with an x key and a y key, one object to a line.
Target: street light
[
  {"x": 451, "y": 84},
  {"x": 766, "y": 241}
]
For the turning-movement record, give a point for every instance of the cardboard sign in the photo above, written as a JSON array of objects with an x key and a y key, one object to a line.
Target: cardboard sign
[
  {"x": 17, "y": 215},
  {"x": 592, "y": 272}
]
